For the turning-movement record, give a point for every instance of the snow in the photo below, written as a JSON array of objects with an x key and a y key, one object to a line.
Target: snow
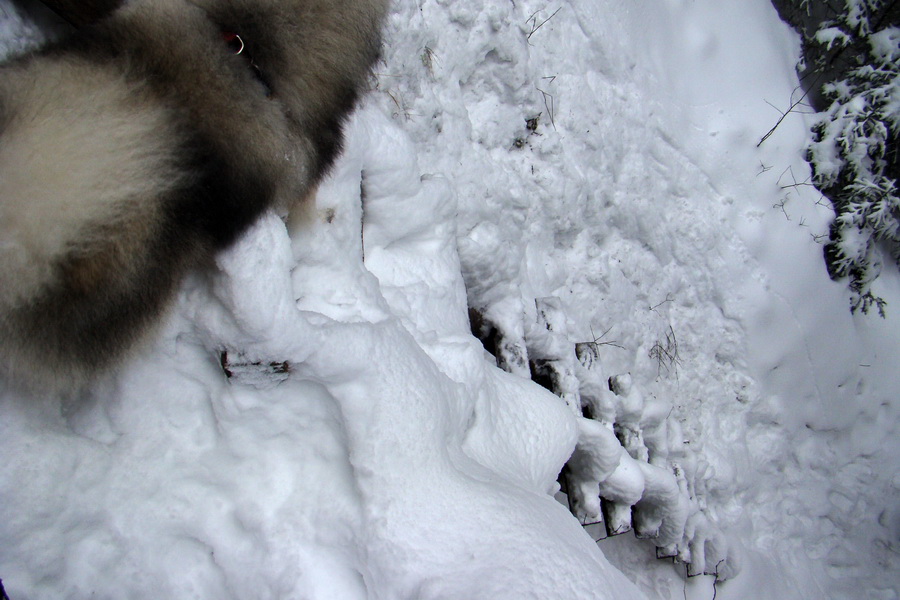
[
  {"x": 393, "y": 459},
  {"x": 886, "y": 44},
  {"x": 829, "y": 36}
]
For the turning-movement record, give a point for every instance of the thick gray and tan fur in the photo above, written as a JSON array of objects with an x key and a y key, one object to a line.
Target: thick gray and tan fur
[{"x": 137, "y": 148}]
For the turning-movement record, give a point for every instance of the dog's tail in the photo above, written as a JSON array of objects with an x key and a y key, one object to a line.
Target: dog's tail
[
  {"x": 86, "y": 163},
  {"x": 137, "y": 148}
]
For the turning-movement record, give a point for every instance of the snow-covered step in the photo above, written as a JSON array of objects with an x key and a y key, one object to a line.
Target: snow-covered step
[{"x": 625, "y": 472}]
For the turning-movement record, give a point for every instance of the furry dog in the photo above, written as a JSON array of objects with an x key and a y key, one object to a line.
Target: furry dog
[{"x": 137, "y": 148}]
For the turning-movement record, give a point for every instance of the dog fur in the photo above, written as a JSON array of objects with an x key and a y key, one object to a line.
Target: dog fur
[{"x": 136, "y": 149}]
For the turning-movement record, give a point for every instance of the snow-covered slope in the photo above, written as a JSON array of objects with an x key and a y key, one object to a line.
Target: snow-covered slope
[
  {"x": 602, "y": 155},
  {"x": 645, "y": 204},
  {"x": 348, "y": 479}
]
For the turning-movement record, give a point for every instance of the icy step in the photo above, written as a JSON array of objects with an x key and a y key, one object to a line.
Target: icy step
[
  {"x": 507, "y": 347},
  {"x": 559, "y": 377},
  {"x": 596, "y": 456},
  {"x": 548, "y": 335},
  {"x": 597, "y": 401},
  {"x": 552, "y": 355},
  {"x": 616, "y": 517}
]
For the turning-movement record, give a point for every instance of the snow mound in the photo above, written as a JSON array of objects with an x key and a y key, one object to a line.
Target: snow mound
[{"x": 388, "y": 459}]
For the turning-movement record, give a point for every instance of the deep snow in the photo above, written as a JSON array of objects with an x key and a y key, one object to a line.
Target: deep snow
[{"x": 394, "y": 461}]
